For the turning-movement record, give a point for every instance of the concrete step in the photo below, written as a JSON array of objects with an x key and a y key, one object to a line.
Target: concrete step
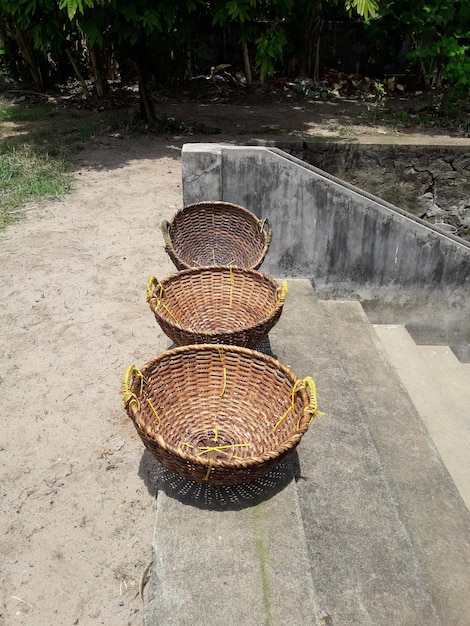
[
  {"x": 401, "y": 535},
  {"x": 362, "y": 525},
  {"x": 439, "y": 386}
]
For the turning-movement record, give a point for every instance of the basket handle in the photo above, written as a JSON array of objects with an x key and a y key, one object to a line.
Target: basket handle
[
  {"x": 131, "y": 401},
  {"x": 265, "y": 223},
  {"x": 312, "y": 393},
  {"x": 151, "y": 284},
  {"x": 281, "y": 293},
  {"x": 166, "y": 234}
]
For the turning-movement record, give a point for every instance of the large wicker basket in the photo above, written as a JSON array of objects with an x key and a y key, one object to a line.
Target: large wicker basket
[
  {"x": 215, "y": 414},
  {"x": 216, "y": 305},
  {"x": 216, "y": 233}
]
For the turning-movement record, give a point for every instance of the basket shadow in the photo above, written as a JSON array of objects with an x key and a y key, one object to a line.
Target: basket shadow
[
  {"x": 263, "y": 346},
  {"x": 218, "y": 497}
]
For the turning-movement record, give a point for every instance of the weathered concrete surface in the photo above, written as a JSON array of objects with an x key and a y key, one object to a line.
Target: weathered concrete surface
[
  {"x": 439, "y": 385},
  {"x": 371, "y": 532},
  {"x": 243, "y": 563},
  {"x": 349, "y": 243},
  {"x": 434, "y": 517}
]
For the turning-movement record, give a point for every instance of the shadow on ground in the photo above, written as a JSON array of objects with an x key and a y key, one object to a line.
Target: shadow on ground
[{"x": 218, "y": 497}]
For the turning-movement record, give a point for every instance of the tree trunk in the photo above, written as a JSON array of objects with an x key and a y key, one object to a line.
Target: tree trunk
[
  {"x": 316, "y": 71},
  {"x": 246, "y": 60},
  {"x": 306, "y": 61},
  {"x": 27, "y": 52},
  {"x": 86, "y": 93},
  {"x": 147, "y": 109},
  {"x": 101, "y": 83}
]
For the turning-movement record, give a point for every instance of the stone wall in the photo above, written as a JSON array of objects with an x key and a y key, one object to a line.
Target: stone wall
[{"x": 432, "y": 182}]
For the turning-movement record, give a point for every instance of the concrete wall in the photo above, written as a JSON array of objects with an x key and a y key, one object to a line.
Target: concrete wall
[{"x": 349, "y": 243}]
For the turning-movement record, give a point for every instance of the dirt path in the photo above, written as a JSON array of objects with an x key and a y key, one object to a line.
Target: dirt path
[
  {"x": 77, "y": 516},
  {"x": 77, "y": 503}
]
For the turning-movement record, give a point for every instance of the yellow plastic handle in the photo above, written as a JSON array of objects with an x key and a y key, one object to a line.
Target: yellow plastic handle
[
  {"x": 312, "y": 393},
  {"x": 151, "y": 284},
  {"x": 127, "y": 393},
  {"x": 281, "y": 293}
]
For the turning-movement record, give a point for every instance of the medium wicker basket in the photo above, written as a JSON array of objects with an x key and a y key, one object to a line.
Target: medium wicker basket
[
  {"x": 216, "y": 414},
  {"x": 216, "y": 233},
  {"x": 216, "y": 305}
]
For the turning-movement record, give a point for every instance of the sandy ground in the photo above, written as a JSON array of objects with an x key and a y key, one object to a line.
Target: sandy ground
[
  {"x": 77, "y": 498},
  {"x": 77, "y": 511}
]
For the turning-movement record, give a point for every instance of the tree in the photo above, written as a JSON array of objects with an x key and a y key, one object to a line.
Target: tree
[
  {"x": 438, "y": 35},
  {"x": 136, "y": 28},
  {"x": 34, "y": 25},
  {"x": 264, "y": 24}
]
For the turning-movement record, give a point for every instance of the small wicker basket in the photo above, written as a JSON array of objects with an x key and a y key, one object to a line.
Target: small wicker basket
[
  {"x": 216, "y": 414},
  {"x": 216, "y": 233},
  {"x": 216, "y": 305}
]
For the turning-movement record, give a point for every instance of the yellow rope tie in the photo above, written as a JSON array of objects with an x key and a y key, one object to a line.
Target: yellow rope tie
[
  {"x": 231, "y": 287},
  {"x": 209, "y": 469},
  {"x": 154, "y": 411},
  {"x": 281, "y": 294},
  {"x": 183, "y": 443},
  {"x": 159, "y": 302},
  {"x": 221, "y": 449},
  {"x": 159, "y": 297},
  {"x": 129, "y": 395},
  {"x": 169, "y": 312},
  {"x": 216, "y": 433},
  {"x": 222, "y": 358},
  {"x": 312, "y": 407},
  {"x": 299, "y": 384},
  {"x": 206, "y": 449}
]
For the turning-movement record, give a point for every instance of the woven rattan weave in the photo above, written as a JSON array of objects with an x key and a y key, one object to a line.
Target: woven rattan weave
[
  {"x": 216, "y": 233},
  {"x": 216, "y": 414},
  {"x": 216, "y": 305}
]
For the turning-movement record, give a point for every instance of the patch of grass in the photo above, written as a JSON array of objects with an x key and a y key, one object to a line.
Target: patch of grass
[
  {"x": 16, "y": 113},
  {"x": 27, "y": 175}
]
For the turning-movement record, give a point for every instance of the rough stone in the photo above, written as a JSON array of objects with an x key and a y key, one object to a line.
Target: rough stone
[{"x": 401, "y": 174}]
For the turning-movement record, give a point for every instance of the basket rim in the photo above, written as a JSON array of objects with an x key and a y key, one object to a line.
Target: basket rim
[
  {"x": 212, "y": 269},
  {"x": 219, "y": 203},
  {"x": 282, "y": 448}
]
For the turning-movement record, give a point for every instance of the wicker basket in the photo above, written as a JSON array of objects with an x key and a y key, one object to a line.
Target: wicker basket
[
  {"x": 216, "y": 233},
  {"x": 216, "y": 305},
  {"x": 215, "y": 414}
]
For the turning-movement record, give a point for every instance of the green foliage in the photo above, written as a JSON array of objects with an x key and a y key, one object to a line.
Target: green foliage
[
  {"x": 260, "y": 23},
  {"x": 269, "y": 49},
  {"x": 439, "y": 34},
  {"x": 365, "y": 8},
  {"x": 233, "y": 10},
  {"x": 73, "y": 7}
]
